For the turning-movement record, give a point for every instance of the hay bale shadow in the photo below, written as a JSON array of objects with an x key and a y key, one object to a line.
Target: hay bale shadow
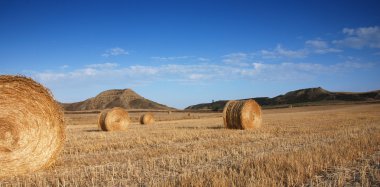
[
  {"x": 93, "y": 130},
  {"x": 217, "y": 127}
]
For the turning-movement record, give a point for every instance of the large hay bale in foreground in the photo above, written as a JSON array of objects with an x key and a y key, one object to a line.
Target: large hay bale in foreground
[
  {"x": 116, "y": 119},
  {"x": 242, "y": 115},
  {"x": 32, "y": 130},
  {"x": 147, "y": 119}
]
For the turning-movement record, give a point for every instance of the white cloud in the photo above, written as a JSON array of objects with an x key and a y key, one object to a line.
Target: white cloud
[
  {"x": 141, "y": 70},
  {"x": 201, "y": 59},
  {"x": 318, "y": 43},
  {"x": 168, "y": 71},
  {"x": 351, "y": 65},
  {"x": 348, "y": 31},
  {"x": 354, "y": 38},
  {"x": 327, "y": 50},
  {"x": 197, "y": 76},
  {"x": 239, "y": 59},
  {"x": 104, "y": 65},
  {"x": 360, "y": 37},
  {"x": 320, "y": 47},
  {"x": 88, "y": 71},
  {"x": 76, "y": 74},
  {"x": 170, "y": 58},
  {"x": 298, "y": 71},
  {"x": 279, "y": 51},
  {"x": 198, "y": 72},
  {"x": 49, "y": 76},
  {"x": 115, "y": 52},
  {"x": 185, "y": 58},
  {"x": 64, "y": 66}
]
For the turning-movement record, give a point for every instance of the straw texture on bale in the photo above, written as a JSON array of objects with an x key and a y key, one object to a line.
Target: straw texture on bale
[
  {"x": 147, "y": 119},
  {"x": 116, "y": 119},
  {"x": 242, "y": 115},
  {"x": 101, "y": 120},
  {"x": 32, "y": 130}
]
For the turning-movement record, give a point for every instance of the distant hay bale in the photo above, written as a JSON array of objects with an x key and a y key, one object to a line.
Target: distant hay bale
[
  {"x": 32, "y": 130},
  {"x": 116, "y": 119},
  {"x": 169, "y": 112},
  {"x": 147, "y": 119},
  {"x": 242, "y": 115}
]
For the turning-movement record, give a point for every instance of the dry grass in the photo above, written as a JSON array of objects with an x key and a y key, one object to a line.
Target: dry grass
[
  {"x": 322, "y": 146},
  {"x": 32, "y": 130}
]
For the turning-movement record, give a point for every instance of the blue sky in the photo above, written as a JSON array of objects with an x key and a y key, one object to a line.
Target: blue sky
[{"x": 181, "y": 53}]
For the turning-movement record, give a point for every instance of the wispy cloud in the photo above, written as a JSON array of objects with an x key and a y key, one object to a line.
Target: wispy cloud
[
  {"x": 320, "y": 47},
  {"x": 318, "y": 43},
  {"x": 353, "y": 38},
  {"x": 289, "y": 71},
  {"x": 170, "y": 58},
  {"x": 197, "y": 76},
  {"x": 280, "y": 51},
  {"x": 239, "y": 59},
  {"x": 104, "y": 65},
  {"x": 200, "y": 72},
  {"x": 360, "y": 37},
  {"x": 64, "y": 66},
  {"x": 279, "y": 64},
  {"x": 202, "y": 59},
  {"x": 115, "y": 52}
]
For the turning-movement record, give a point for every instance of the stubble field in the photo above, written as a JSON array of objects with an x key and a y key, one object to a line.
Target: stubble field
[{"x": 311, "y": 146}]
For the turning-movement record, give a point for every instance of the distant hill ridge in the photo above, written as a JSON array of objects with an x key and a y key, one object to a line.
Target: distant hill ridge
[
  {"x": 125, "y": 98},
  {"x": 299, "y": 96}
]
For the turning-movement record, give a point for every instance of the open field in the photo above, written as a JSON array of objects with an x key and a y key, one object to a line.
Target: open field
[{"x": 320, "y": 145}]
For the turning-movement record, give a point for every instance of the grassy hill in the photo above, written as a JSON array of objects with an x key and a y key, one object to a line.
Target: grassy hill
[
  {"x": 125, "y": 98},
  {"x": 302, "y": 96}
]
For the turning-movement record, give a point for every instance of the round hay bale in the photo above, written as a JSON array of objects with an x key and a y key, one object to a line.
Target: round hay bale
[
  {"x": 147, "y": 119},
  {"x": 242, "y": 115},
  {"x": 32, "y": 130},
  {"x": 116, "y": 119},
  {"x": 101, "y": 120}
]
